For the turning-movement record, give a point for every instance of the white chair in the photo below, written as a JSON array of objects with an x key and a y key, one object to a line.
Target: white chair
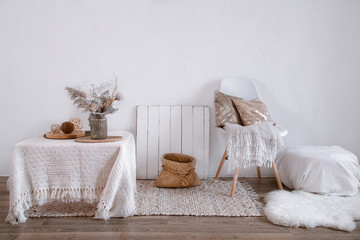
[{"x": 243, "y": 87}]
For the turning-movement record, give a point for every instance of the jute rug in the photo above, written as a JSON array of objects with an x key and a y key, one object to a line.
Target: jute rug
[{"x": 210, "y": 199}]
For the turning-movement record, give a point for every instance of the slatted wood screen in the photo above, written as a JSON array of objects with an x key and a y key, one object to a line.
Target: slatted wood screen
[{"x": 171, "y": 129}]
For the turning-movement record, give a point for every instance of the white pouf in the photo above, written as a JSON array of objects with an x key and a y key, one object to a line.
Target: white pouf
[{"x": 319, "y": 169}]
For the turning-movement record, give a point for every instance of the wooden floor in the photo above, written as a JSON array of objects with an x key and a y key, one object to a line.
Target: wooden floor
[{"x": 162, "y": 227}]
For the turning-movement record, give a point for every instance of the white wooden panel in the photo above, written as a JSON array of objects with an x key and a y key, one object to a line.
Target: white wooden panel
[
  {"x": 153, "y": 142},
  {"x": 164, "y": 132},
  {"x": 141, "y": 142},
  {"x": 206, "y": 141},
  {"x": 198, "y": 139},
  {"x": 186, "y": 129},
  {"x": 175, "y": 129}
]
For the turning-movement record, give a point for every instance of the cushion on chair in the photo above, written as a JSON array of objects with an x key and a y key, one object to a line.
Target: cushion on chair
[
  {"x": 252, "y": 112},
  {"x": 319, "y": 169},
  {"x": 225, "y": 110}
]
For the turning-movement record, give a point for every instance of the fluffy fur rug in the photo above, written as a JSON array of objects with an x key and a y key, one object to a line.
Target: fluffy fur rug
[{"x": 302, "y": 209}]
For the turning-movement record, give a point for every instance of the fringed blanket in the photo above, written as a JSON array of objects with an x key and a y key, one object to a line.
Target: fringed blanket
[
  {"x": 255, "y": 145},
  {"x": 47, "y": 171}
]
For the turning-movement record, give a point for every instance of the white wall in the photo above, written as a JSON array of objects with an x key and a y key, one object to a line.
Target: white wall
[{"x": 305, "y": 55}]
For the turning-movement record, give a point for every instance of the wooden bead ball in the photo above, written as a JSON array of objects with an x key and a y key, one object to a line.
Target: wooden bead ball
[
  {"x": 78, "y": 123},
  {"x": 55, "y": 128}
]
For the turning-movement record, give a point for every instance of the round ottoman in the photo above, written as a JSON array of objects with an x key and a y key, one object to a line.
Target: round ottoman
[{"x": 319, "y": 169}]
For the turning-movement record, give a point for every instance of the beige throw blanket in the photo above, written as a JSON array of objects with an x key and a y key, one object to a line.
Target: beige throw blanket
[{"x": 254, "y": 145}]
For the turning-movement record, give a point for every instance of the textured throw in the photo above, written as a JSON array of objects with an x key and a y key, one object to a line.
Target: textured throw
[
  {"x": 49, "y": 171},
  {"x": 303, "y": 209},
  {"x": 209, "y": 199},
  {"x": 254, "y": 145}
]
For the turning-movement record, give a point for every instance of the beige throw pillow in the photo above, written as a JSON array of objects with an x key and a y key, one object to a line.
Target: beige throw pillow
[
  {"x": 225, "y": 110},
  {"x": 252, "y": 112}
]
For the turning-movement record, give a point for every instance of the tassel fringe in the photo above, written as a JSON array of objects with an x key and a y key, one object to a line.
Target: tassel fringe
[
  {"x": 39, "y": 197},
  {"x": 251, "y": 149}
]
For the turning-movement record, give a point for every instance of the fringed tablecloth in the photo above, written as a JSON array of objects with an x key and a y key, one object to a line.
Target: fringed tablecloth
[{"x": 44, "y": 171}]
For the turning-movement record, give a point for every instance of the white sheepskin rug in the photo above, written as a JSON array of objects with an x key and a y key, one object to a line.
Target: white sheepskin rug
[{"x": 303, "y": 209}]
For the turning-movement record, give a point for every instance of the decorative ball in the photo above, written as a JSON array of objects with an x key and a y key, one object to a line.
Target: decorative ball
[
  {"x": 78, "y": 123},
  {"x": 67, "y": 127},
  {"x": 55, "y": 128}
]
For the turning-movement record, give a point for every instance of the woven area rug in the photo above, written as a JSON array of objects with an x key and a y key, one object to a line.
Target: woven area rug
[{"x": 210, "y": 199}]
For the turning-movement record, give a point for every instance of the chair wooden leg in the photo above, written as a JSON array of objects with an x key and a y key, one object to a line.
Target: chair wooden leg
[
  {"x": 276, "y": 174},
  {"x": 258, "y": 172},
  {"x": 221, "y": 164},
  {"x": 234, "y": 182}
]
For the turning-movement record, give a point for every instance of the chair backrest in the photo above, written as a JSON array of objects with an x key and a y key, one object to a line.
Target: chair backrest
[{"x": 243, "y": 87}]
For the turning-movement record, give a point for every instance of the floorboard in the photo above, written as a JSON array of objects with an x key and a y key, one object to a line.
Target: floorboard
[{"x": 163, "y": 227}]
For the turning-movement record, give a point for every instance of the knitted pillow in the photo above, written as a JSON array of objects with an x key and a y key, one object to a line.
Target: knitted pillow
[
  {"x": 225, "y": 111},
  {"x": 252, "y": 112}
]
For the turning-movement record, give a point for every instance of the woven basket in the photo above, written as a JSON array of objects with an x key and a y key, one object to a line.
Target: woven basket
[{"x": 178, "y": 171}]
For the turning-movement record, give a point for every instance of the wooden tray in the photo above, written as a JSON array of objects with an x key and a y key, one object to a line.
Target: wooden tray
[
  {"x": 64, "y": 136},
  {"x": 88, "y": 139}
]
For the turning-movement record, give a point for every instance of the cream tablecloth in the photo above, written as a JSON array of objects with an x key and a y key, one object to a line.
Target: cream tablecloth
[{"x": 44, "y": 170}]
